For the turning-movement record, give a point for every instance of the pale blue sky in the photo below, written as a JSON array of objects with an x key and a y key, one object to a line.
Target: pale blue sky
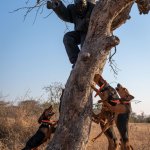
[{"x": 33, "y": 56}]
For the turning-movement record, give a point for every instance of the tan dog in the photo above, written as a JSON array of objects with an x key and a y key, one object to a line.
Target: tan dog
[
  {"x": 114, "y": 110},
  {"x": 124, "y": 105}
]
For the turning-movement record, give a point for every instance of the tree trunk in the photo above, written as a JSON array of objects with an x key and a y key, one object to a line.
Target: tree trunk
[{"x": 75, "y": 119}]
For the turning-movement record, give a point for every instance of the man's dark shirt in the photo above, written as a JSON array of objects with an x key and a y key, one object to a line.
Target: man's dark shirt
[{"x": 69, "y": 14}]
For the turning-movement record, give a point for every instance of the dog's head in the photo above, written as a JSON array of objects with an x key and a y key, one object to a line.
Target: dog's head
[
  {"x": 98, "y": 79},
  {"x": 124, "y": 93},
  {"x": 47, "y": 114}
]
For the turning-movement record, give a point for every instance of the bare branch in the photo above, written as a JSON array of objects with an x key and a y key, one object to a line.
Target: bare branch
[
  {"x": 48, "y": 15},
  {"x": 143, "y": 6},
  {"x": 112, "y": 63},
  {"x": 113, "y": 66},
  {"x": 27, "y": 2},
  {"x": 38, "y": 7},
  {"x": 122, "y": 17},
  {"x": 36, "y": 14}
]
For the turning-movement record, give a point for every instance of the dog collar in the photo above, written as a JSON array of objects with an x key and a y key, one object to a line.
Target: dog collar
[
  {"x": 105, "y": 85},
  {"x": 120, "y": 101}
]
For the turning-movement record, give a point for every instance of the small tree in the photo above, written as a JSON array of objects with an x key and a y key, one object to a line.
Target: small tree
[{"x": 54, "y": 91}]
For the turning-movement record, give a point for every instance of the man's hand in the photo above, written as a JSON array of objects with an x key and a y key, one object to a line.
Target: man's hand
[
  {"x": 53, "y": 4},
  {"x": 49, "y": 5}
]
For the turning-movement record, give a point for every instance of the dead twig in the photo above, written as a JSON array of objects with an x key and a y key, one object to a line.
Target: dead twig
[
  {"x": 113, "y": 64},
  {"x": 38, "y": 7}
]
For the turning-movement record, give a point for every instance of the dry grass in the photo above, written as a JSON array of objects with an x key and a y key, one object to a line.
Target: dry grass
[
  {"x": 139, "y": 136},
  {"x": 17, "y": 125}
]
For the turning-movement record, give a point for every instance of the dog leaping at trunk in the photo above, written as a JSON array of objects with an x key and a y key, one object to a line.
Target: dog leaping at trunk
[
  {"x": 44, "y": 132},
  {"x": 115, "y": 109}
]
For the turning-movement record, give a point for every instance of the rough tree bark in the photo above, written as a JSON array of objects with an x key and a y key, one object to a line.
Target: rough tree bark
[{"x": 75, "y": 119}]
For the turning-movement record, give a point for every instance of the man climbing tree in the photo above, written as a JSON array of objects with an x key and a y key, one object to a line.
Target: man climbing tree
[{"x": 78, "y": 13}]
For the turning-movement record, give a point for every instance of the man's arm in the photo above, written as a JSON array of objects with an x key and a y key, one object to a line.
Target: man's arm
[{"x": 59, "y": 8}]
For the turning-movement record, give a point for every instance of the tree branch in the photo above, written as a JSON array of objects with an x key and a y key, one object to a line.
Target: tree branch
[
  {"x": 143, "y": 6},
  {"x": 122, "y": 17},
  {"x": 28, "y": 9}
]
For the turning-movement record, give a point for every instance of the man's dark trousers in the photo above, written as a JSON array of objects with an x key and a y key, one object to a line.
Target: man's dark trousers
[{"x": 71, "y": 41}]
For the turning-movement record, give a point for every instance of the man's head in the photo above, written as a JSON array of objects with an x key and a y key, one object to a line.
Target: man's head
[{"x": 81, "y": 6}]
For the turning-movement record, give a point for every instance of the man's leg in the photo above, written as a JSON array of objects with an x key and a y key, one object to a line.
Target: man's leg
[{"x": 71, "y": 41}]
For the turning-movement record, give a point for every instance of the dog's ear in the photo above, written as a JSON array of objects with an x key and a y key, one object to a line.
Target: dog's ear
[
  {"x": 130, "y": 97},
  {"x": 50, "y": 107}
]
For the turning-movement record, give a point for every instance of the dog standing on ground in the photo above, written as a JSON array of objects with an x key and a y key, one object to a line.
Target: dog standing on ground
[
  {"x": 115, "y": 109},
  {"x": 44, "y": 132}
]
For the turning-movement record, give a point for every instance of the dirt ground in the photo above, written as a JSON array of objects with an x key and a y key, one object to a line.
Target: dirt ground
[
  {"x": 19, "y": 123},
  {"x": 139, "y": 137}
]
